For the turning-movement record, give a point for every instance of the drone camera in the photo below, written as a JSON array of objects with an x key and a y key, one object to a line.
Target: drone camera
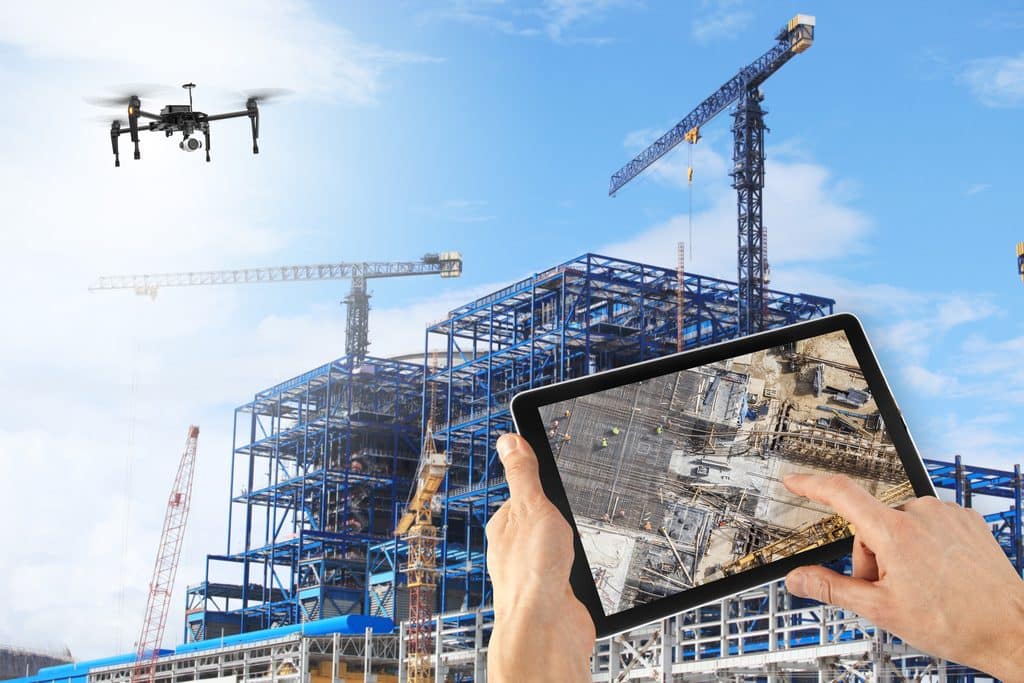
[{"x": 190, "y": 144}]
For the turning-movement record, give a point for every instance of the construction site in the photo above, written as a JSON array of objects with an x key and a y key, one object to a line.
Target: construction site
[
  {"x": 675, "y": 481},
  {"x": 360, "y": 489}
]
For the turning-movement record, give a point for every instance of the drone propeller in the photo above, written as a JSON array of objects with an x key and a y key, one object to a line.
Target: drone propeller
[
  {"x": 262, "y": 95},
  {"x": 123, "y": 94},
  {"x": 108, "y": 120}
]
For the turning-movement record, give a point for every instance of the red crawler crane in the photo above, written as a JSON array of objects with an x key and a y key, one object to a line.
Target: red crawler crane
[{"x": 166, "y": 567}]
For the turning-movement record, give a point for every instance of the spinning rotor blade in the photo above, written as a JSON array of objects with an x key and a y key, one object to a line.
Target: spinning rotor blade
[
  {"x": 262, "y": 95},
  {"x": 123, "y": 94}
]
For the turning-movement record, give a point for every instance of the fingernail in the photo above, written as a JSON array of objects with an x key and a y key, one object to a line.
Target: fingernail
[
  {"x": 506, "y": 444},
  {"x": 796, "y": 583}
]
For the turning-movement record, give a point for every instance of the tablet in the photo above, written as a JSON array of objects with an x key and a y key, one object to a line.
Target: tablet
[{"x": 670, "y": 470}]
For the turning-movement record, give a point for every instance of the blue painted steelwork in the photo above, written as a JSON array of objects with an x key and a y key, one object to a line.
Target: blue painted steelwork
[
  {"x": 352, "y": 624},
  {"x": 78, "y": 672},
  {"x": 588, "y": 314},
  {"x": 320, "y": 460},
  {"x": 968, "y": 481}
]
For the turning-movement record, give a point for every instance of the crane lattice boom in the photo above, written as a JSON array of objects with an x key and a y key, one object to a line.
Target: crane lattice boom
[
  {"x": 796, "y": 37},
  {"x": 446, "y": 264},
  {"x": 357, "y": 334},
  {"x": 168, "y": 554}
]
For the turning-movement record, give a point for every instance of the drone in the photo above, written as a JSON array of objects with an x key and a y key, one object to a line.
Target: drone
[{"x": 180, "y": 118}]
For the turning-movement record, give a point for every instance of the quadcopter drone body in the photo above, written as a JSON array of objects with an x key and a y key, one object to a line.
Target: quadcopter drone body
[{"x": 181, "y": 118}]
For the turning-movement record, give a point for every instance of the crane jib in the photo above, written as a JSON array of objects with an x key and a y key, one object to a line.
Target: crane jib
[{"x": 791, "y": 41}]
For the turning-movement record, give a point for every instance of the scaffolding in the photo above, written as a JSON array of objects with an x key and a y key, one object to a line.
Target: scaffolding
[{"x": 317, "y": 466}]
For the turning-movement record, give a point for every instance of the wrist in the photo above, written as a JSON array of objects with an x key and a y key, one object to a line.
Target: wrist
[
  {"x": 541, "y": 634},
  {"x": 1007, "y": 654}
]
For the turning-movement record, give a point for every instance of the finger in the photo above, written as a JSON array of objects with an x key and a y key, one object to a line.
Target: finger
[
  {"x": 825, "y": 585},
  {"x": 521, "y": 470},
  {"x": 865, "y": 565},
  {"x": 846, "y": 497}
]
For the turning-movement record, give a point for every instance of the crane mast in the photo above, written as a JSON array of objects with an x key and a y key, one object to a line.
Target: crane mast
[
  {"x": 417, "y": 529},
  {"x": 748, "y": 161},
  {"x": 357, "y": 336},
  {"x": 168, "y": 554}
]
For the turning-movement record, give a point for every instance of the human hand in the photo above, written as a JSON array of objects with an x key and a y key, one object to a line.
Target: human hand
[
  {"x": 931, "y": 573},
  {"x": 542, "y": 632}
]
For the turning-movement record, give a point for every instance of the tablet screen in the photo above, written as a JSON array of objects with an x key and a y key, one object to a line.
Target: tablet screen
[{"x": 676, "y": 481}]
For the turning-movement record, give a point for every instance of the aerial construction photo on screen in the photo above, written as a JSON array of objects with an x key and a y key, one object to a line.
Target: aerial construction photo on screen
[{"x": 676, "y": 481}]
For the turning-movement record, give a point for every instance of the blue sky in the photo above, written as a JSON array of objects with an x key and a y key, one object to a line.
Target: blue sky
[{"x": 487, "y": 127}]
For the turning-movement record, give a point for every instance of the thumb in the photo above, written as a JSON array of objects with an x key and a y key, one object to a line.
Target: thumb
[
  {"x": 521, "y": 468},
  {"x": 825, "y": 585}
]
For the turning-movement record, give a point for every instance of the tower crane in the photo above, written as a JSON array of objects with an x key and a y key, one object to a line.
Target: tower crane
[
  {"x": 417, "y": 529},
  {"x": 357, "y": 336},
  {"x": 748, "y": 159},
  {"x": 166, "y": 567}
]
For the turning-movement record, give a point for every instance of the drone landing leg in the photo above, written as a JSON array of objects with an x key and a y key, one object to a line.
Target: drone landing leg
[
  {"x": 206, "y": 134},
  {"x": 113, "y": 143},
  {"x": 255, "y": 133}
]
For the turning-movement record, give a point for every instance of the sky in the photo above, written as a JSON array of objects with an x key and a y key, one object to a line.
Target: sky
[{"x": 487, "y": 127}]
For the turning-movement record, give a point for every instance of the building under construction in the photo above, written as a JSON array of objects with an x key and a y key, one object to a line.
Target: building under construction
[{"x": 313, "y": 583}]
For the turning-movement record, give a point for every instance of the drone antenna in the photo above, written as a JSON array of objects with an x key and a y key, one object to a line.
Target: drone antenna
[{"x": 189, "y": 86}]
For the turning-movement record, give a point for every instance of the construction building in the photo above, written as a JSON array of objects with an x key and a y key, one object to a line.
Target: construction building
[{"x": 312, "y": 585}]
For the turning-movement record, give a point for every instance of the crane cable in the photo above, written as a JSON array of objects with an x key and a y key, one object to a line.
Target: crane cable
[{"x": 689, "y": 194}]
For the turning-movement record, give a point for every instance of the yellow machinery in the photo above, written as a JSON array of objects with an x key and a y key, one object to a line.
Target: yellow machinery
[
  {"x": 832, "y": 528},
  {"x": 417, "y": 528},
  {"x": 1020, "y": 260}
]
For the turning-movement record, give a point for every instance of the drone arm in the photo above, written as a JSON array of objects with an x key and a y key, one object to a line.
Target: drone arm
[
  {"x": 229, "y": 115},
  {"x": 147, "y": 115}
]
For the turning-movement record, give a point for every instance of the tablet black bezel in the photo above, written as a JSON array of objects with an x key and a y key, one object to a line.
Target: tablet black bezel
[{"x": 524, "y": 407}]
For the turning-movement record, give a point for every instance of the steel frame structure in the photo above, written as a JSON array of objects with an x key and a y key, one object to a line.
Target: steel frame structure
[
  {"x": 585, "y": 315},
  {"x": 321, "y": 460}
]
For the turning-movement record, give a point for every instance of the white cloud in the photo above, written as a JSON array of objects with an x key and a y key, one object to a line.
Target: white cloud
[
  {"x": 996, "y": 81},
  {"x": 803, "y": 220},
  {"x": 987, "y": 440},
  {"x": 720, "y": 20},
  {"x": 977, "y": 188},
  {"x": 928, "y": 382},
  {"x": 232, "y": 45},
  {"x": 71, "y": 356},
  {"x": 959, "y": 309},
  {"x": 460, "y": 211},
  {"x": 556, "y": 20}
]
